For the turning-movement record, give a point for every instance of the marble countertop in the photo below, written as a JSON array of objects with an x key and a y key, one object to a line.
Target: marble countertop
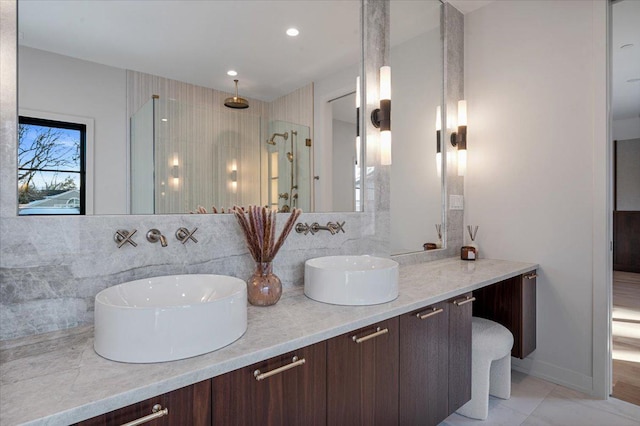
[{"x": 57, "y": 378}]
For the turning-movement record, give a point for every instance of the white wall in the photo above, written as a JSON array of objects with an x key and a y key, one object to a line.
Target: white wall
[
  {"x": 628, "y": 128},
  {"x": 536, "y": 183},
  {"x": 59, "y": 84}
]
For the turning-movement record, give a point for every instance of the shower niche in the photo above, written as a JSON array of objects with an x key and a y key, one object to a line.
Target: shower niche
[{"x": 185, "y": 156}]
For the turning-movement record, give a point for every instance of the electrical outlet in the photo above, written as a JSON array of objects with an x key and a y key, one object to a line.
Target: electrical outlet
[{"x": 456, "y": 202}]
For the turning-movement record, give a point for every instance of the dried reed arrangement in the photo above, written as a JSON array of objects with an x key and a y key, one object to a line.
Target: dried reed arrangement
[
  {"x": 259, "y": 227},
  {"x": 472, "y": 232},
  {"x": 214, "y": 210}
]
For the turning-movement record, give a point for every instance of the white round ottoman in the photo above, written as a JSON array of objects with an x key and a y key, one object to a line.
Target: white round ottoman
[{"x": 491, "y": 345}]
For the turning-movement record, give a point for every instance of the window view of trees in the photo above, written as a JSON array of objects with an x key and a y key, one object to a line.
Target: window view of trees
[{"x": 50, "y": 167}]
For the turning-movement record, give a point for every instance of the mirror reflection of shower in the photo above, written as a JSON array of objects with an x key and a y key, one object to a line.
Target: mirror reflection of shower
[
  {"x": 289, "y": 167},
  {"x": 272, "y": 141}
]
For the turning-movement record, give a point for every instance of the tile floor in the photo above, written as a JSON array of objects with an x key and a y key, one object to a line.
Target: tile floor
[{"x": 538, "y": 402}]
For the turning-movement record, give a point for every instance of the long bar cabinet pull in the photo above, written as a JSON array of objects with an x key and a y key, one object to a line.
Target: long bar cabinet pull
[
  {"x": 431, "y": 313},
  {"x": 379, "y": 332},
  {"x": 531, "y": 276},
  {"x": 464, "y": 301},
  {"x": 156, "y": 412},
  {"x": 294, "y": 363}
]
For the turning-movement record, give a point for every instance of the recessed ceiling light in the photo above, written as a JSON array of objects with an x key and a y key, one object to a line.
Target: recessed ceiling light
[
  {"x": 292, "y": 32},
  {"x": 626, "y": 46},
  {"x": 633, "y": 80},
  {"x": 232, "y": 73},
  {"x": 164, "y": 119}
]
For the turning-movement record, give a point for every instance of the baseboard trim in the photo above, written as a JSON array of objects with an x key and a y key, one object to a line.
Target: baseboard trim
[{"x": 554, "y": 374}]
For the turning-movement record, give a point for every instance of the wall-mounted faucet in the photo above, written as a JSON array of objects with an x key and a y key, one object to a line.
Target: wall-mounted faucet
[{"x": 154, "y": 235}]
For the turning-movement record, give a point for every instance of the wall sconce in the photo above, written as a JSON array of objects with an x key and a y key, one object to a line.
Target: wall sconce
[
  {"x": 233, "y": 176},
  {"x": 438, "y": 141},
  {"x": 357, "y": 119},
  {"x": 381, "y": 117},
  {"x": 459, "y": 138},
  {"x": 175, "y": 172}
]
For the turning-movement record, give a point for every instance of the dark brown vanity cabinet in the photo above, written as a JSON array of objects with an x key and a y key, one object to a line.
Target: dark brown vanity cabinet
[
  {"x": 435, "y": 361},
  {"x": 409, "y": 370},
  {"x": 362, "y": 376},
  {"x": 512, "y": 303},
  {"x": 460, "y": 312},
  {"x": 190, "y": 405},
  {"x": 285, "y": 390}
]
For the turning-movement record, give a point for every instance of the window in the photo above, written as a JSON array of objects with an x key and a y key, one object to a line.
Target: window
[{"x": 51, "y": 167}]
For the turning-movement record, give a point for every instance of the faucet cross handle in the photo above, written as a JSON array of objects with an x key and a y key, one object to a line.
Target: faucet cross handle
[
  {"x": 122, "y": 236},
  {"x": 337, "y": 227},
  {"x": 183, "y": 235},
  {"x": 315, "y": 227},
  {"x": 303, "y": 228}
]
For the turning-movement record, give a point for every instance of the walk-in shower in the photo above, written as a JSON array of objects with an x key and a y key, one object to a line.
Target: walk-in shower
[{"x": 184, "y": 156}]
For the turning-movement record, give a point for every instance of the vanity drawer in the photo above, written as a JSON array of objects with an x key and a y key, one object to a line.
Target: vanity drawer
[
  {"x": 186, "y": 406},
  {"x": 289, "y": 389}
]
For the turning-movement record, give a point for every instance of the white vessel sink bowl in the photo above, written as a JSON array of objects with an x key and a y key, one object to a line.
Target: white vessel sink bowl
[
  {"x": 168, "y": 318},
  {"x": 351, "y": 280}
]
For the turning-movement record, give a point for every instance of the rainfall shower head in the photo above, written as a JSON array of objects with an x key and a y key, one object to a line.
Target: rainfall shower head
[
  {"x": 272, "y": 141},
  {"x": 236, "y": 102}
]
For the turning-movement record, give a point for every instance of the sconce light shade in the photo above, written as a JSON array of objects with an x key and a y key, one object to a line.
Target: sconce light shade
[
  {"x": 385, "y": 82},
  {"x": 381, "y": 117},
  {"x": 175, "y": 172},
  {"x": 233, "y": 177},
  {"x": 459, "y": 138},
  {"x": 438, "y": 141},
  {"x": 462, "y": 113},
  {"x": 357, "y": 119}
]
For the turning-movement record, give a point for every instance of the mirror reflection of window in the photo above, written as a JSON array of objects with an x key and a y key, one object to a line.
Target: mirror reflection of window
[{"x": 51, "y": 172}]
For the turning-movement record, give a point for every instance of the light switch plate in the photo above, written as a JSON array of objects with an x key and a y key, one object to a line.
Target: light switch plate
[{"x": 456, "y": 202}]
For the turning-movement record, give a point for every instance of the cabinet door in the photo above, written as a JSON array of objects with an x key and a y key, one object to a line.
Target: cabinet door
[
  {"x": 362, "y": 376},
  {"x": 424, "y": 366},
  {"x": 512, "y": 303},
  {"x": 190, "y": 405},
  {"x": 280, "y": 391},
  {"x": 527, "y": 340},
  {"x": 460, "y": 310}
]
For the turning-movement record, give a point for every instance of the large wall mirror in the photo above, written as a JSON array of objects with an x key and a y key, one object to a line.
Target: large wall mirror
[
  {"x": 164, "y": 129},
  {"x": 147, "y": 81}
]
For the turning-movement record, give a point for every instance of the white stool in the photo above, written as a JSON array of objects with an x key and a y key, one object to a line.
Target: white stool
[{"x": 491, "y": 345}]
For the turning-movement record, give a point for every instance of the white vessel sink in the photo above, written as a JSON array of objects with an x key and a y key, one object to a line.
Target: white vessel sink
[
  {"x": 168, "y": 318},
  {"x": 351, "y": 280}
]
